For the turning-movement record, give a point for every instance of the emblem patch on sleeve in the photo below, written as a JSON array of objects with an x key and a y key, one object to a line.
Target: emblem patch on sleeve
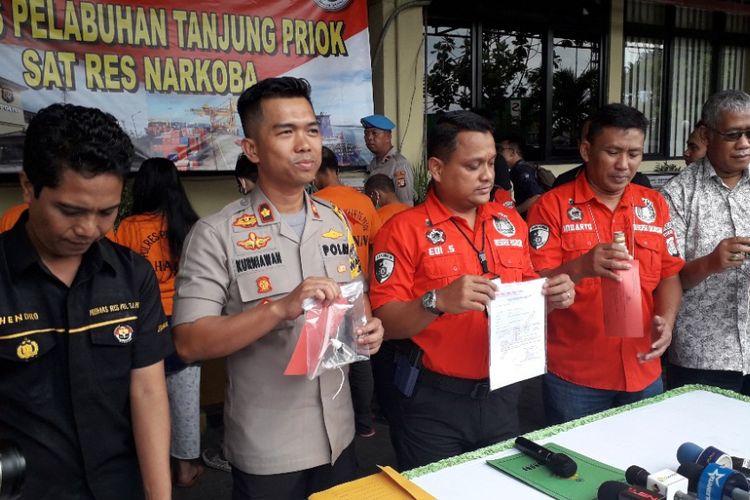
[
  {"x": 670, "y": 237},
  {"x": 538, "y": 236},
  {"x": 384, "y": 266}
]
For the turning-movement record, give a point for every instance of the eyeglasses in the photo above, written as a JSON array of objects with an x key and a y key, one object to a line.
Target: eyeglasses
[{"x": 732, "y": 135}]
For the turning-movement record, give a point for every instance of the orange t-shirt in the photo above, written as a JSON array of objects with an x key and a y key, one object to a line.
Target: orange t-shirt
[
  {"x": 11, "y": 216},
  {"x": 146, "y": 235},
  {"x": 423, "y": 249},
  {"x": 387, "y": 211},
  {"x": 566, "y": 223},
  {"x": 361, "y": 214}
]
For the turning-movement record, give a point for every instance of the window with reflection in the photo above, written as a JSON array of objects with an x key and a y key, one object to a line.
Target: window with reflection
[
  {"x": 448, "y": 74},
  {"x": 675, "y": 58},
  {"x": 575, "y": 91}
]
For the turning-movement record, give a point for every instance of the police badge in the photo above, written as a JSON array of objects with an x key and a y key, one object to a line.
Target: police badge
[
  {"x": 435, "y": 236},
  {"x": 647, "y": 213},
  {"x": 574, "y": 214},
  {"x": 538, "y": 235},
  {"x": 123, "y": 333},
  {"x": 384, "y": 265},
  {"x": 503, "y": 225}
]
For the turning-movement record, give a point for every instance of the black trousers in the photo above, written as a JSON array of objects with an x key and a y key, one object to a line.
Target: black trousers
[
  {"x": 361, "y": 383},
  {"x": 677, "y": 376},
  {"x": 294, "y": 485},
  {"x": 439, "y": 424}
]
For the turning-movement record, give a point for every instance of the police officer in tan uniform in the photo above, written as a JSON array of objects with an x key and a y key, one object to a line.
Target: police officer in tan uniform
[{"x": 244, "y": 274}]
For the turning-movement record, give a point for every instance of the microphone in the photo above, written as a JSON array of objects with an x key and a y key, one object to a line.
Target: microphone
[
  {"x": 667, "y": 482},
  {"x": 691, "y": 452},
  {"x": 714, "y": 482},
  {"x": 741, "y": 465},
  {"x": 615, "y": 490},
  {"x": 559, "y": 463}
]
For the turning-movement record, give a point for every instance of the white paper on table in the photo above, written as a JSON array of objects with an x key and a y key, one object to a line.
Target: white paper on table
[{"x": 517, "y": 330}]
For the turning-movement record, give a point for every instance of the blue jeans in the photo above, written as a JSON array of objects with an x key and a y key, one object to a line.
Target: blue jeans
[{"x": 564, "y": 401}]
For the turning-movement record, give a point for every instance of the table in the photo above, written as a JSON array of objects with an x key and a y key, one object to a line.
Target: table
[{"x": 646, "y": 433}]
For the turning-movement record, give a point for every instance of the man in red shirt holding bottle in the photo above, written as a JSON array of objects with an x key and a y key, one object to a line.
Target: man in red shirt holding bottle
[{"x": 571, "y": 231}]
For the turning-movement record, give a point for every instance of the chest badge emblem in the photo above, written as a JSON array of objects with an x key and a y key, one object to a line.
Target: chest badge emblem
[
  {"x": 254, "y": 242},
  {"x": 574, "y": 214},
  {"x": 435, "y": 236},
  {"x": 647, "y": 213},
  {"x": 246, "y": 221},
  {"x": 123, "y": 333},
  {"x": 504, "y": 226},
  {"x": 332, "y": 234},
  {"x": 27, "y": 349},
  {"x": 264, "y": 284}
]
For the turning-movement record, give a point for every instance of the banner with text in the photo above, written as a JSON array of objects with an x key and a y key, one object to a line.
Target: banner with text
[{"x": 171, "y": 72}]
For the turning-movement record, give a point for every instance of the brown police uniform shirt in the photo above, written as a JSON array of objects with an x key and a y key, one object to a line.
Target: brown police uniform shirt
[
  {"x": 398, "y": 168},
  {"x": 239, "y": 258}
]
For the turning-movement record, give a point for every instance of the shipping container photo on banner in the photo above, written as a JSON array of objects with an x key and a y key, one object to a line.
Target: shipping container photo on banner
[{"x": 171, "y": 72}]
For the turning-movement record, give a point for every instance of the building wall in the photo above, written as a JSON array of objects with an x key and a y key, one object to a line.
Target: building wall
[
  {"x": 398, "y": 72},
  {"x": 398, "y": 82}
]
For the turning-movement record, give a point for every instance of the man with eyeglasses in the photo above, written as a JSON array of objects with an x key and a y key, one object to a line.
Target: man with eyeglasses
[
  {"x": 710, "y": 206},
  {"x": 387, "y": 160}
]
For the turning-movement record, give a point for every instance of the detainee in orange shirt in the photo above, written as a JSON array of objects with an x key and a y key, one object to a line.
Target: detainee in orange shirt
[
  {"x": 431, "y": 282},
  {"x": 160, "y": 221},
  {"x": 359, "y": 210},
  {"x": 365, "y": 223},
  {"x": 11, "y": 216},
  {"x": 382, "y": 192},
  {"x": 571, "y": 230}
]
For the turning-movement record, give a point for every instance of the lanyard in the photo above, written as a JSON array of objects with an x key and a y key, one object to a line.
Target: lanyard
[
  {"x": 631, "y": 249},
  {"x": 480, "y": 252}
]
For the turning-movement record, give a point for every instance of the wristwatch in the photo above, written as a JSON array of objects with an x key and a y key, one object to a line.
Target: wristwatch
[{"x": 429, "y": 302}]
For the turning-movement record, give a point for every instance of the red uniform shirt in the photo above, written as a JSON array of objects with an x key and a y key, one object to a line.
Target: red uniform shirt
[
  {"x": 422, "y": 249},
  {"x": 504, "y": 197},
  {"x": 569, "y": 221}
]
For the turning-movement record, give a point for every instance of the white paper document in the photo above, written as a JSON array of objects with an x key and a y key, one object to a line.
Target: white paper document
[{"x": 517, "y": 324}]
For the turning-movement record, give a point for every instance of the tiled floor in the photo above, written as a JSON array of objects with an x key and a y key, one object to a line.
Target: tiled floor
[{"x": 216, "y": 485}]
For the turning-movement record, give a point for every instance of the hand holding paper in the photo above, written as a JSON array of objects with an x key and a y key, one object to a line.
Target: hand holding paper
[{"x": 517, "y": 331}]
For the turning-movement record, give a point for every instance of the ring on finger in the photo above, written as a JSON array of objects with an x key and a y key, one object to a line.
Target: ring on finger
[{"x": 567, "y": 294}]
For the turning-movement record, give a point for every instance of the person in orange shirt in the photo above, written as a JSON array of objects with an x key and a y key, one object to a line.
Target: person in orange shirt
[
  {"x": 382, "y": 192},
  {"x": 571, "y": 231},
  {"x": 11, "y": 216},
  {"x": 431, "y": 283},
  {"x": 359, "y": 210},
  {"x": 365, "y": 223},
  {"x": 160, "y": 219}
]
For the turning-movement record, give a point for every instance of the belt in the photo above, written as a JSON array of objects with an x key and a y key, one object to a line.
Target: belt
[{"x": 475, "y": 389}]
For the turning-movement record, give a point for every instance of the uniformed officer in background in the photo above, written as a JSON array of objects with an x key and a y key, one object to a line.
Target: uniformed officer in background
[
  {"x": 245, "y": 272},
  {"x": 388, "y": 160},
  {"x": 82, "y": 331}
]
